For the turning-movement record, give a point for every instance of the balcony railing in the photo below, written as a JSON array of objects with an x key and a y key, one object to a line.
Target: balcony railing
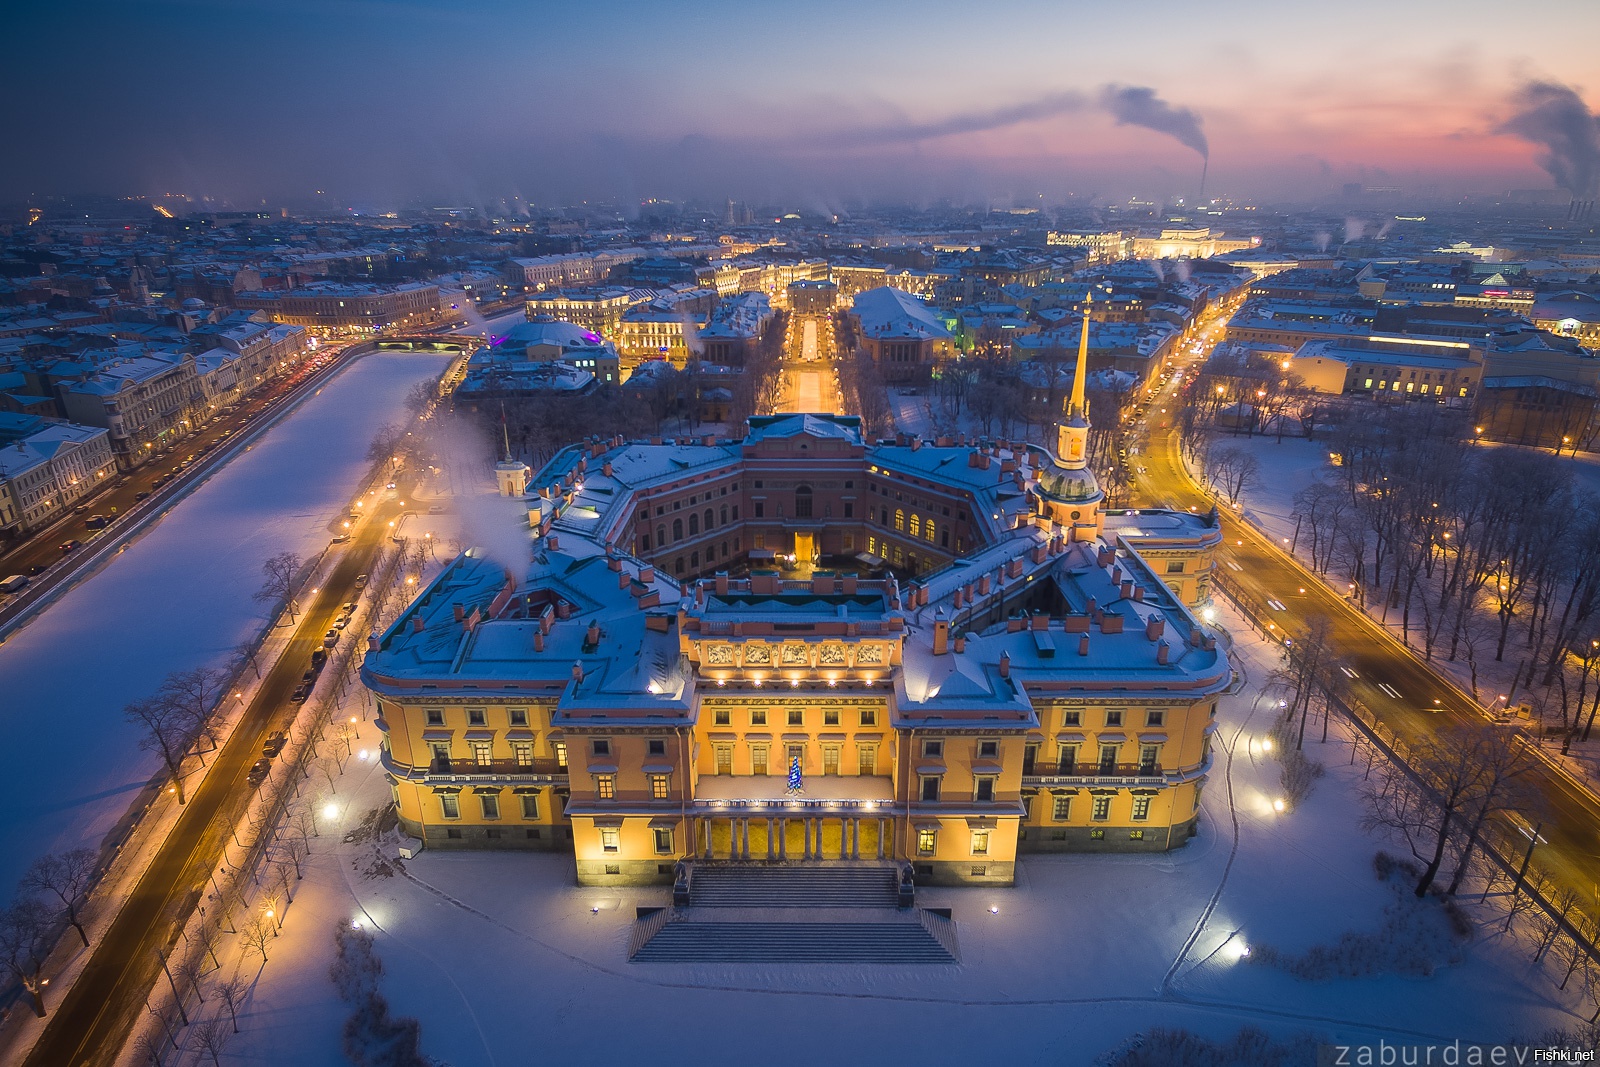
[{"x": 495, "y": 767}]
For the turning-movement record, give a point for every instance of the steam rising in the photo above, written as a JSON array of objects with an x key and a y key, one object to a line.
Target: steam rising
[
  {"x": 496, "y": 526},
  {"x": 1556, "y": 118},
  {"x": 1136, "y": 105}
]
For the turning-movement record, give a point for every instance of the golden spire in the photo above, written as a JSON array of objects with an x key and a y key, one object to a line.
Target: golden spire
[{"x": 1078, "y": 405}]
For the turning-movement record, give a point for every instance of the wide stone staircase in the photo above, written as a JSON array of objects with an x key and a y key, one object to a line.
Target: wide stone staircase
[{"x": 822, "y": 913}]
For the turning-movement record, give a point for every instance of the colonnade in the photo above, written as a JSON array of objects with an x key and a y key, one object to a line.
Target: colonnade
[{"x": 778, "y": 836}]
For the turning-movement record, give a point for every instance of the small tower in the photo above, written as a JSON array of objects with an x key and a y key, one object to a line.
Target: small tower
[
  {"x": 1069, "y": 494},
  {"x": 510, "y": 475}
]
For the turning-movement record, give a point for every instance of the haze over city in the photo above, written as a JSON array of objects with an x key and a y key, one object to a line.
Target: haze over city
[{"x": 385, "y": 105}]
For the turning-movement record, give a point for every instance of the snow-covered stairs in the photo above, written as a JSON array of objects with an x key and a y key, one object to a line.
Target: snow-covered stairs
[
  {"x": 793, "y": 886},
  {"x": 793, "y": 913}
]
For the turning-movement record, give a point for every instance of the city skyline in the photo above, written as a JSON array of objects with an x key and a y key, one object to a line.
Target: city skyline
[{"x": 821, "y": 108}]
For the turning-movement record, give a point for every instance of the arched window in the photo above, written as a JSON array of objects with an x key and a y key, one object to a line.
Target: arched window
[
  {"x": 711, "y": 553},
  {"x": 710, "y": 520},
  {"x": 677, "y": 529},
  {"x": 694, "y": 524},
  {"x": 694, "y": 560},
  {"x": 916, "y": 525},
  {"x": 802, "y": 502},
  {"x": 899, "y": 520},
  {"x": 677, "y": 565},
  {"x": 927, "y": 530}
]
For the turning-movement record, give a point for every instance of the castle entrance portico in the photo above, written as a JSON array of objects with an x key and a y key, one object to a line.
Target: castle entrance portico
[{"x": 848, "y": 817}]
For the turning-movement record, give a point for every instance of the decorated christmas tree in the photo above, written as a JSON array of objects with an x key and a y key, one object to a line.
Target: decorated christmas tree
[{"x": 797, "y": 781}]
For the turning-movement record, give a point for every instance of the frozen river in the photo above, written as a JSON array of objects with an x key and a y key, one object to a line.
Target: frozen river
[{"x": 179, "y": 597}]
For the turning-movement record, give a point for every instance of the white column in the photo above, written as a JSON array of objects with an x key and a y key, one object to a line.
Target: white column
[
  {"x": 855, "y": 839},
  {"x": 881, "y": 836},
  {"x": 807, "y": 824},
  {"x": 783, "y": 839},
  {"x": 745, "y": 824},
  {"x": 769, "y": 839}
]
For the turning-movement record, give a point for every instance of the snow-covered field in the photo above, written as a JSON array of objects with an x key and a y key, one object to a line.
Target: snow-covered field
[
  {"x": 177, "y": 598},
  {"x": 505, "y": 961}
]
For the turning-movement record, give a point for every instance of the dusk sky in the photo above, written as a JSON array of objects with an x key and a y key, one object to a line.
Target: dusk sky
[{"x": 382, "y": 103}]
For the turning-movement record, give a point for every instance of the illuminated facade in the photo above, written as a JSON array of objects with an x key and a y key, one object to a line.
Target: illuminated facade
[{"x": 1028, "y": 681}]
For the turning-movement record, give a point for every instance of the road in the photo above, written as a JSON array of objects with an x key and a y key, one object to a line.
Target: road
[
  {"x": 808, "y": 375},
  {"x": 123, "y": 491},
  {"x": 90, "y": 1024},
  {"x": 1404, "y": 693}
]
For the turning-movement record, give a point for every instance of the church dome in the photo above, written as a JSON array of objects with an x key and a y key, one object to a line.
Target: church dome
[{"x": 1069, "y": 486}]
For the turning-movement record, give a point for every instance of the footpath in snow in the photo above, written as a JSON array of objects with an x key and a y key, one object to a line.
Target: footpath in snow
[{"x": 177, "y": 598}]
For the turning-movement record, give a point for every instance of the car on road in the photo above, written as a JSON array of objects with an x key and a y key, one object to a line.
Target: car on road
[
  {"x": 330, "y": 639},
  {"x": 80, "y": 509},
  {"x": 70, "y": 546},
  {"x": 274, "y": 745},
  {"x": 142, "y": 495},
  {"x": 349, "y": 607},
  {"x": 259, "y": 771},
  {"x": 361, "y": 580},
  {"x": 339, "y": 539},
  {"x": 340, "y": 623},
  {"x": 319, "y": 659},
  {"x": 96, "y": 522},
  {"x": 300, "y": 693},
  {"x": 12, "y": 583},
  {"x": 36, "y": 570}
]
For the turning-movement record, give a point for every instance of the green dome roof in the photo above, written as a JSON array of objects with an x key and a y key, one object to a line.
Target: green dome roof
[{"x": 1069, "y": 486}]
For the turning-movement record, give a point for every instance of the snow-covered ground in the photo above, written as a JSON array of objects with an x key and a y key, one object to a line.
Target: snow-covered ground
[
  {"x": 177, "y": 598},
  {"x": 504, "y": 960}
]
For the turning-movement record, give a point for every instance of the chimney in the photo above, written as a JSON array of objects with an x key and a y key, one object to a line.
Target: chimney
[
  {"x": 577, "y": 670},
  {"x": 647, "y": 575},
  {"x": 460, "y": 611},
  {"x": 1014, "y": 568},
  {"x": 849, "y": 582},
  {"x": 699, "y": 595},
  {"x": 960, "y": 599},
  {"x": 538, "y": 640},
  {"x": 960, "y": 643},
  {"x": 1194, "y": 637},
  {"x": 1039, "y": 553},
  {"x": 1104, "y": 557},
  {"x": 1125, "y": 590},
  {"x": 984, "y": 585},
  {"x": 821, "y": 583},
  {"x": 545, "y": 620},
  {"x": 1161, "y": 652},
  {"x": 1083, "y": 644},
  {"x": 1040, "y": 622},
  {"x": 1116, "y": 576},
  {"x": 1138, "y": 592},
  {"x": 591, "y": 636},
  {"x": 722, "y": 583},
  {"x": 974, "y": 459},
  {"x": 416, "y": 624},
  {"x": 623, "y": 578},
  {"x": 552, "y": 542},
  {"x": 563, "y": 610},
  {"x": 373, "y": 643},
  {"x": 1154, "y": 628},
  {"x": 613, "y": 561},
  {"x": 606, "y": 469},
  {"x": 1005, "y": 664},
  {"x": 709, "y": 440},
  {"x": 941, "y": 633}
]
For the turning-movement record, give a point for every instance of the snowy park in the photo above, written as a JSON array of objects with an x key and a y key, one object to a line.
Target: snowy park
[
  {"x": 1067, "y": 967},
  {"x": 178, "y": 597}
]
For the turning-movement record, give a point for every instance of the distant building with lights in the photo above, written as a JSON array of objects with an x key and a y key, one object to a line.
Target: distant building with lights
[{"x": 963, "y": 656}]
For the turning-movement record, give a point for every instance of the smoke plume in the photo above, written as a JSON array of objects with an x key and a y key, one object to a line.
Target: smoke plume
[
  {"x": 1136, "y": 105},
  {"x": 1556, "y": 118},
  {"x": 974, "y": 122}
]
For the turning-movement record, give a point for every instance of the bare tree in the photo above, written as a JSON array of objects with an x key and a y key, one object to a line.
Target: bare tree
[
  {"x": 67, "y": 876},
  {"x": 27, "y": 934},
  {"x": 169, "y": 732},
  {"x": 232, "y": 993},
  {"x": 256, "y": 935},
  {"x": 196, "y": 693},
  {"x": 280, "y": 582},
  {"x": 249, "y": 653},
  {"x": 149, "y": 1047},
  {"x": 210, "y": 1037}
]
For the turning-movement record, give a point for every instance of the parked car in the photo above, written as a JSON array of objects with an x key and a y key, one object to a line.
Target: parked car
[
  {"x": 330, "y": 639},
  {"x": 274, "y": 745},
  {"x": 70, "y": 546},
  {"x": 340, "y": 623},
  {"x": 259, "y": 771},
  {"x": 96, "y": 522},
  {"x": 349, "y": 607},
  {"x": 361, "y": 580},
  {"x": 13, "y": 583},
  {"x": 36, "y": 570},
  {"x": 141, "y": 495},
  {"x": 319, "y": 659},
  {"x": 80, "y": 509},
  {"x": 300, "y": 693}
]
